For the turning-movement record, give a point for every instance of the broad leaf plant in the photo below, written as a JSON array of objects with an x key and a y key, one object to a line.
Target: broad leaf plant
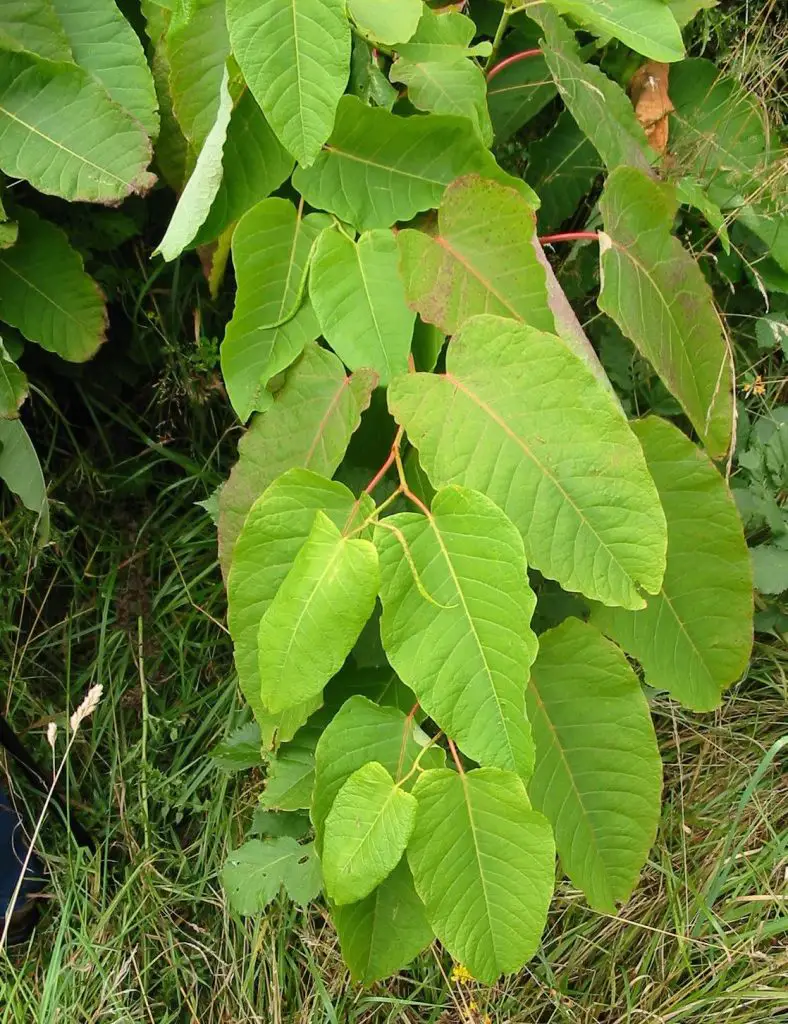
[{"x": 456, "y": 570}]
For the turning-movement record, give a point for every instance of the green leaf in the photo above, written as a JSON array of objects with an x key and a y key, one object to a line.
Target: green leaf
[
  {"x": 274, "y": 531},
  {"x": 601, "y": 108},
  {"x": 562, "y": 168},
  {"x": 361, "y": 732},
  {"x": 309, "y": 425},
  {"x": 295, "y": 57},
  {"x": 770, "y": 568},
  {"x": 480, "y": 260},
  {"x": 271, "y": 251},
  {"x": 197, "y": 47},
  {"x": 442, "y": 36},
  {"x": 517, "y": 93},
  {"x": 772, "y": 330},
  {"x": 523, "y": 419},
  {"x": 13, "y": 385},
  {"x": 21, "y": 472},
  {"x": 387, "y": 21},
  {"x": 456, "y": 622},
  {"x": 105, "y": 44},
  {"x": 291, "y": 772},
  {"x": 598, "y": 776},
  {"x": 46, "y": 294},
  {"x": 316, "y": 616},
  {"x": 202, "y": 187},
  {"x": 658, "y": 296},
  {"x": 483, "y": 865},
  {"x": 272, "y": 824},
  {"x": 33, "y": 25},
  {"x": 690, "y": 192},
  {"x": 240, "y": 750},
  {"x": 254, "y": 874},
  {"x": 366, "y": 832},
  {"x": 694, "y": 638},
  {"x": 254, "y": 164},
  {"x": 60, "y": 130},
  {"x": 378, "y": 168},
  {"x": 685, "y": 10},
  {"x": 428, "y": 341},
  {"x": 359, "y": 300},
  {"x": 647, "y": 26},
  {"x": 383, "y": 933},
  {"x": 367, "y": 80},
  {"x": 379, "y": 684}
]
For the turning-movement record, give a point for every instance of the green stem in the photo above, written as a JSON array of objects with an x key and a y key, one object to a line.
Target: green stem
[{"x": 503, "y": 24}]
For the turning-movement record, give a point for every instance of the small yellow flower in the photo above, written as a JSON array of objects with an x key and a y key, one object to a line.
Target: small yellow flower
[
  {"x": 461, "y": 974},
  {"x": 755, "y": 387},
  {"x": 473, "y": 1006}
]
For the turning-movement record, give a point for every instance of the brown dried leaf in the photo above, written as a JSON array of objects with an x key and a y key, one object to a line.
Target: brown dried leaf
[{"x": 649, "y": 93}]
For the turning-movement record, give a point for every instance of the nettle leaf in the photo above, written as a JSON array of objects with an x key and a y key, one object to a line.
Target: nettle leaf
[
  {"x": 272, "y": 824},
  {"x": 647, "y": 26},
  {"x": 366, "y": 832},
  {"x": 359, "y": 300},
  {"x": 33, "y": 25},
  {"x": 770, "y": 568},
  {"x": 275, "y": 530},
  {"x": 601, "y": 108},
  {"x": 521, "y": 418},
  {"x": 60, "y": 130},
  {"x": 316, "y": 616},
  {"x": 483, "y": 863},
  {"x": 254, "y": 164},
  {"x": 694, "y": 637},
  {"x": 691, "y": 193},
  {"x": 456, "y": 622},
  {"x": 387, "y": 21},
  {"x": 13, "y": 384},
  {"x": 658, "y": 296},
  {"x": 562, "y": 167},
  {"x": 517, "y": 93},
  {"x": 105, "y": 44},
  {"x": 271, "y": 322},
  {"x": 361, "y": 732},
  {"x": 598, "y": 776},
  {"x": 240, "y": 750},
  {"x": 197, "y": 197},
  {"x": 291, "y": 772},
  {"x": 21, "y": 472},
  {"x": 309, "y": 425},
  {"x": 378, "y": 168},
  {"x": 439, "y": 73},
  {"x": 480, "y": 260},
  {"x": 46, "y": 294},
  {"x": 197, "y": 47},
  {"x": 295, "y": 57},
  {"x": 255, "y": 873},
  {"x": 383, "y": 933}
]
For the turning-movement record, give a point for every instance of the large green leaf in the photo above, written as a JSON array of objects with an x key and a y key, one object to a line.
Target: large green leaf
[
  {"x": 254, "y": 874},
  {"x": 316, "y": 616},
  {"x": 647, "y": 26},
  {"x": 383, "y": 933},
  {"x": 521, "y": 418},
  {"x": 456, "y": 622},
  {"x": 60, "y": 130},
  {"x": 366, "y": 832},
  {"x": 361, "y": 732},
  {"x": 598, "y": 774},
  {"x": 480, "y": 260},
  {"x": 483, "y": 863},
  {"x": 442, "y": 36},
  {"x": 658, "y": 296},
  {"x": 106, "y": 45},
  {"x": 309, "y": 425},
  {"x": 378, "y": 168},
  {"x": 295, "y": 57},
  {"x": 274, "y": 532},
  {"x": 13, "y": 386},
  {"x": 386, "y": 21},
  {"x": 271, "y": 323},
  {"x": 601, "y": 107},
  {"x": 46, "y": 294},
  {"x": 33, "y": 25},
  {"x": 360, "y": 303},
  {"x": 517, "y": 92},
  {"x": 197, "y": 47},
  {"x": 695, "y": 635},
  {"x": 21, "y": 472},
  {"x": 562, "y": 167},
  {"x": 202, "y": 187},
  {"x": 290, "y": 776},
  {"x": 254, "y": 164}
]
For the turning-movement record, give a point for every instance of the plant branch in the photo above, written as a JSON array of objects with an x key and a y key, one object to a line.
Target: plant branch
[
  {"x": 514, "y": 59},
  {"x": 570, "y": 236},
  {"x": 455, "y": 755},
  {"x": 503, "y": 24}
]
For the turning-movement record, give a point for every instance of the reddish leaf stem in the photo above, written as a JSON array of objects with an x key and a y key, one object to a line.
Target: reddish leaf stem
[
  {"x": 390, "y": 459},
  {"x": 514, "y": 59},
  {"x": 455, "y": 755},
  {"x": 570, "y": 236}
]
